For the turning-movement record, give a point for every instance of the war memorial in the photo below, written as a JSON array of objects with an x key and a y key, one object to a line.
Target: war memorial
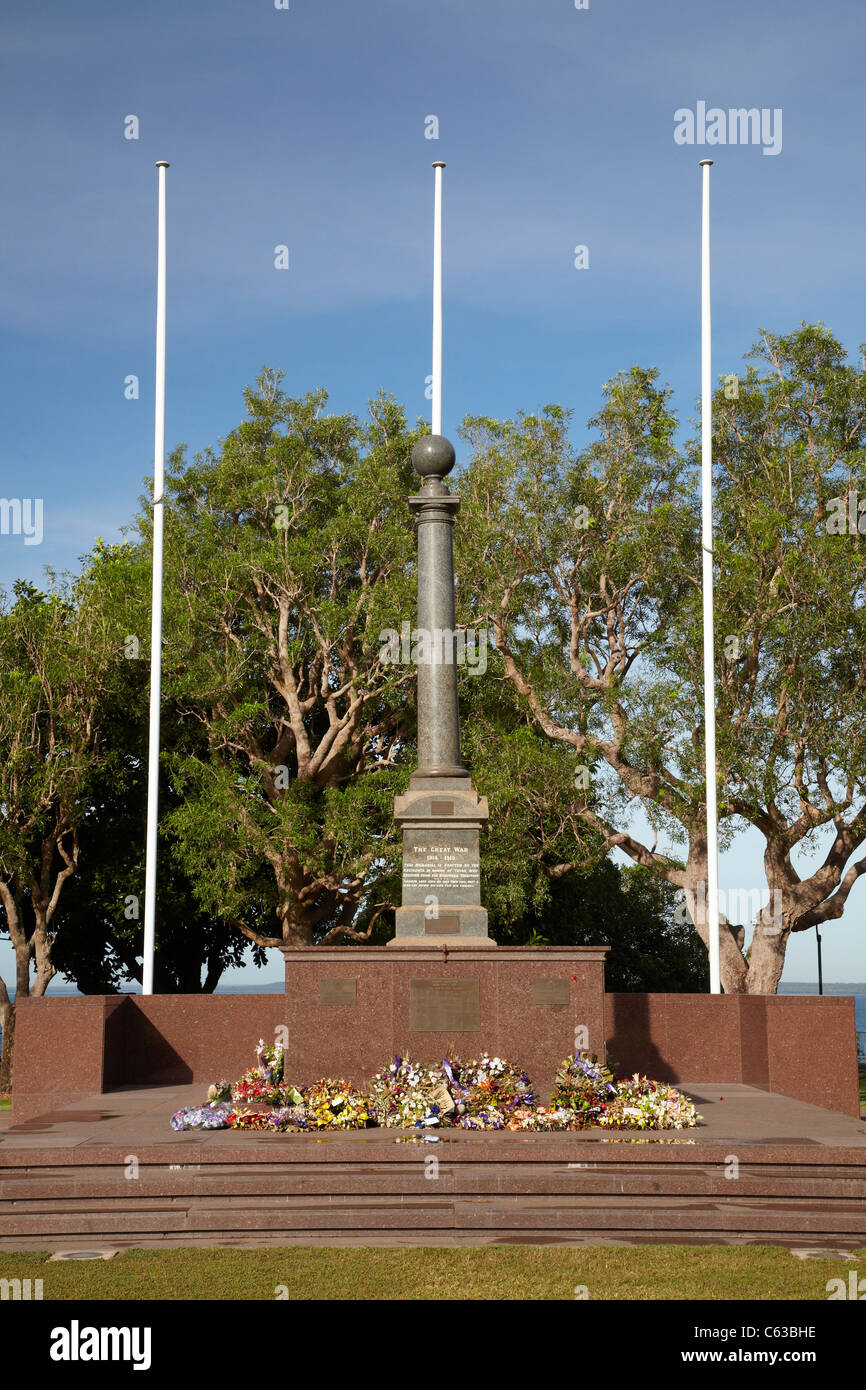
[
  {"x": 97, "y": 1078},
  {"x": 440, "y": 1089}
]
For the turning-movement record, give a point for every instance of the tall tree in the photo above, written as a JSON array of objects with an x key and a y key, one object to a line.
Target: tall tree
[
  {"x": 98, "y": 925},
  {"x": 790, "y": 445},
  {"x": 288, "y": 553},
  {"x": 55, "y": 662},
  {"x": 587, "y": 567}
]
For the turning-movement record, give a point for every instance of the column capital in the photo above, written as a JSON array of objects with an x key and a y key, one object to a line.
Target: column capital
[{"x": 435, "y": 506}]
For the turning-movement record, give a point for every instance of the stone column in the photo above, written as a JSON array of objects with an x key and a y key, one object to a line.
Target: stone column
[{"x": 441, "y": 815}]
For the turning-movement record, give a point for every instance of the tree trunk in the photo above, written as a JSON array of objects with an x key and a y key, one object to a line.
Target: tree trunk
[
  {"x": 213, "y": 975},
  {"x": 732, "y": 965},
  {"x": 766, "y": 963}
]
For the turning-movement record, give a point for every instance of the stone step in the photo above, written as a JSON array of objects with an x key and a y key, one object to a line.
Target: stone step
[
  {"x": 435, "y": 1213},
  {"x": 432, "y": 1196},
  {"x": 350, "y": 1194},
  {"x": 157, "y": 1181}
]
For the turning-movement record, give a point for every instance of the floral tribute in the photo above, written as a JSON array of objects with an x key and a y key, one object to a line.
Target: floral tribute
[
  {"x": 264, "y": 1082},
  {"x": 583, "y": 1090},
  {"x": 480, "y": 1093},
  {"x": 333, "y": 1104},
  {"x": 282, "y": 1119},
  {"x": 487, "y": 1091},
  {"x": 210, "y": 1116},
  {"x": 643, "y": 1104},
  {"x": 407, "y": 1094}
]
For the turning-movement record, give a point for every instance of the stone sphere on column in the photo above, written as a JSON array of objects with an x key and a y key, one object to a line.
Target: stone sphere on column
[{"x": 433, "y": 456}]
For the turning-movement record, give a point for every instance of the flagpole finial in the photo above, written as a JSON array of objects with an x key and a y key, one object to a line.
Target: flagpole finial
[
  {"x": 162, "y": 164},
  {"x": 705, "y": 161},
  {"x": 438, "y": 164}
]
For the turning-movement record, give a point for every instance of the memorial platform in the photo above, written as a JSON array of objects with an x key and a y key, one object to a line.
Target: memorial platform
[{"x": 108, "y": 1172}]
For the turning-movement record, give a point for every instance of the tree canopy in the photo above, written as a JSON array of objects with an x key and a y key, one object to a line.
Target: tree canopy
[
  {"x": 287, "y": 732},
  {"x": 586, "y": 565}
]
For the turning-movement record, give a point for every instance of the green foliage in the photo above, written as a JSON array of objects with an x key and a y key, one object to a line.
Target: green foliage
[
  {"x": 55, "y": 670},
  {"x": 535, "y": 830},
  {"x": 288, "y": 553},
  {"x": 631, "y": 911},
  {"x": 587, "y": 566}
]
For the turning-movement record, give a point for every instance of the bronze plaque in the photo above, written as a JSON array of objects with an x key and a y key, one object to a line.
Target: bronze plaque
[
  {"x": 338, "y": 991},
  {"x": 442, "y": 808},
  {"x": 444, "y": 1006},
  {"x": 547, "y": 991},
  {"x": 446, "y": 924}
]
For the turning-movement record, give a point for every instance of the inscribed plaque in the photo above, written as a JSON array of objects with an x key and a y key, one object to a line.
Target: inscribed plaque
[
  {"x": 446, "y": 924},
  {"x": 444, "y": 1006},
  {"x": 547, "y": 991},
  {"x": 341, "y": 991}
]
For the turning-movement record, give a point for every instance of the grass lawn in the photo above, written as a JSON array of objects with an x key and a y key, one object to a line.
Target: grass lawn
[{"x": 506, "y": 1272}]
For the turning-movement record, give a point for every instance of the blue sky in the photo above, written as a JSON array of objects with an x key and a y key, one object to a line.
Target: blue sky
[{"x": 306, "y": 127}]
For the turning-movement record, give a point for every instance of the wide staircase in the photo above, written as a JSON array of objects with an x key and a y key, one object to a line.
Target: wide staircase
[{"x": 466, "y": 1189}]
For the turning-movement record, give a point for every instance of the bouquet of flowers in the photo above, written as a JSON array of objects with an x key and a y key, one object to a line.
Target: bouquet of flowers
[
  {"x": 201, "y": 1117},
  {"x": 406, "y": 1093},
  {"x": 523, "y": 1117},
  {"x": 335, "y": 1104},
  {"x": 289, "y": 1117},
  {"x": 644, "y": 1104},
  {"x": 489, "y": 1088},
  {"x": 249, "y": 1120},
  {"x": 281, "y": 1119},
  {"x": 540, "y": 1120},
  {"x": 264, "y": 1082},
  {"x": 485, "y": 1118},
  {"x": 584, "y": 1088},
  {"x": 220, "y": 1090},
  {"x": 270, "y": 1060}
]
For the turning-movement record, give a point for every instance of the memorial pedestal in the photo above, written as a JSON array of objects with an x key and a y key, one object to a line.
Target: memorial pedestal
[
  {"x": 351, "y": 1008},
  {"x": 441, "y": 819}
]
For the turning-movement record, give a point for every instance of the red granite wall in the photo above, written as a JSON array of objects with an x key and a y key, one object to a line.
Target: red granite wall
[
  {"x": 802, "y": 1046},
  {"x": 69, "y": 1049},
  {"x": 58, "y": 1053},
  {"x": 179, "y": 1038},
  {"x": 812, "y": 1049}
]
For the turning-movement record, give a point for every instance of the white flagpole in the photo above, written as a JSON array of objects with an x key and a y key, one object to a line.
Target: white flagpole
[
  {"x": 707, "y": 574},
  {"x": 156, "y": 602},
  {"x": 437, "y": 299}
]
